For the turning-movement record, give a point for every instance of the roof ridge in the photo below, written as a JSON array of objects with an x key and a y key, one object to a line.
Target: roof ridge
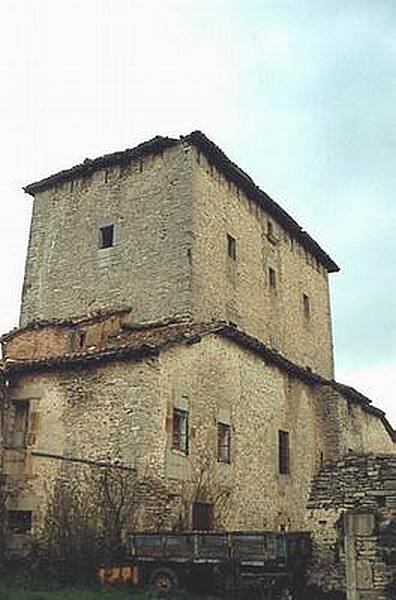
[{"x": 214, "y": 154}]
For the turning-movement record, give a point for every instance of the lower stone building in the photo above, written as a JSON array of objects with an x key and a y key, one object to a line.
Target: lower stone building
[{"x": 224, "y": 432}]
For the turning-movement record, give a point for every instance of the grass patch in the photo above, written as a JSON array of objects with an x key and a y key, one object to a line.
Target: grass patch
[
  {"x": 16, "y": 586},
  {"x": 24, "y": 590}
]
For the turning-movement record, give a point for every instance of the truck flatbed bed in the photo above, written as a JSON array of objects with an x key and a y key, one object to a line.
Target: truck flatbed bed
[{"x": 258, "y": 549}]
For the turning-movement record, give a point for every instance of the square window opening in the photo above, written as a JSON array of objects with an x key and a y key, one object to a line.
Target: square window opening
[
  {"x": 231, "y": 247},
  {"x": 106, "y": 236},
  {"x": 19, "y": 521},
  {"x": 223, "y": 443},
  {"x": 284, "y": 452},
  {"x": 180, "y": 430}
]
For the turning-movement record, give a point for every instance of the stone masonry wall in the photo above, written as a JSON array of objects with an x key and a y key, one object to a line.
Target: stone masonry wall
[
  {"x": 43, "y": 343},
  {"x": 109, "y": 415},
  {"x": 353, "y": 521},
  {"x": 121, "y": 411},
  {"x": 215, "y": 380},
  {"x": 49, "y": 340},
  {"x": 171, "y": 215},
  {"x": 148, "y": 268},
  {"x": 240, "y": 290},
  {"x": 347, "y": 426}
]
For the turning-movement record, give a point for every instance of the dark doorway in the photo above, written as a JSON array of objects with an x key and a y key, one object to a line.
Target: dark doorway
[{"x": 202, "y": 516}]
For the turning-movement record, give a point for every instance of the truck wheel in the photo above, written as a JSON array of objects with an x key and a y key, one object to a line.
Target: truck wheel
[{"x": 163, "y": 580}]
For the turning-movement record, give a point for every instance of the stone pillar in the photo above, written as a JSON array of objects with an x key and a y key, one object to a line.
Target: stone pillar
[{"x": 358, "y": 570}]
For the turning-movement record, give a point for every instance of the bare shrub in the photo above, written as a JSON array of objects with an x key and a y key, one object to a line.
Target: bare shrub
[{"x": 88, "y": 519}]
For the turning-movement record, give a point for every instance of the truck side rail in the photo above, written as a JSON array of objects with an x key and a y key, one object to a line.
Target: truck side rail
[{"x": 246, "y": 548}]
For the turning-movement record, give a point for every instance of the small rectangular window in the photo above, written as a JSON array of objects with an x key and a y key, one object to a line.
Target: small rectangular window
[
  {"x": 19, "y": 431},
  {"x": 231, "y": 247},
  {"x": 180, "y": 430},
  {"x": 19, "y": 521},
  {"x": 106, "y": 236},
  {"x": 306, "y": 306},
  {"x": 272, "y": 278},
  {"x": 284, "y": 452},
  {"x": 223, "y": 443}
]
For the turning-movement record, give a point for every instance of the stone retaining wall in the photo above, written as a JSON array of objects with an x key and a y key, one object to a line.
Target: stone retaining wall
[{"x": 353, "y": 521}]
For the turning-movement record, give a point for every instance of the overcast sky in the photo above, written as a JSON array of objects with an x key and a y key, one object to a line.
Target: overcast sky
[{"x": 300, "y": 93}]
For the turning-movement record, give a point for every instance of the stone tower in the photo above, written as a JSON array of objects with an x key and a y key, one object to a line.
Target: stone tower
[{"x": 173, "y": 230}]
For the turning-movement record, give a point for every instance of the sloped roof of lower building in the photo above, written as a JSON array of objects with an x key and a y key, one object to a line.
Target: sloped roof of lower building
[{"x": 139, "y": 342}]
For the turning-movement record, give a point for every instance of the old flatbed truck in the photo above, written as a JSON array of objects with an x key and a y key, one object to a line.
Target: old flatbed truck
[{"x": 267, "y": 561}]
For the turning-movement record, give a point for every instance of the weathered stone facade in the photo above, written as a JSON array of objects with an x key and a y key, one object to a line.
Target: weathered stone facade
[
  {"x": 113, "y": 404},
  {"x": 192, "y": 347},
  {"x": 240, "y": 290},
  {"x": 172, "y": 210},
  {"x": 353, "y": 520},
  {"x": 147, "y": 268}
]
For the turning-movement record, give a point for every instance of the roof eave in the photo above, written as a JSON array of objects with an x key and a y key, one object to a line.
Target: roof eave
[
  {"x": 155, "y": 145},
  {"x": 213, "y": 154},
  {"x": 243, "y": 180}
]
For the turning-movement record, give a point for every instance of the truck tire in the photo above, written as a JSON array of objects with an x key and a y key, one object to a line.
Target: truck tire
[{"x": 163, "y": 579}]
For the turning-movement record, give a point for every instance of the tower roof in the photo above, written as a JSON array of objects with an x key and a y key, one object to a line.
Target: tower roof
[{"x": 215, "y": 156}]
